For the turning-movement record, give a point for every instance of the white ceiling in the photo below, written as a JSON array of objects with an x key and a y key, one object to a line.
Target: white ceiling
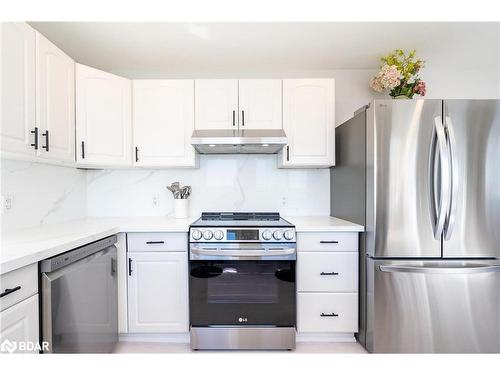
[{"x": 203, "y": 49}]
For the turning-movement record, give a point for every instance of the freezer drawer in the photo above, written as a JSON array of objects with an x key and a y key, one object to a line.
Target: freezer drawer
[{"x": 433, "y": 306}]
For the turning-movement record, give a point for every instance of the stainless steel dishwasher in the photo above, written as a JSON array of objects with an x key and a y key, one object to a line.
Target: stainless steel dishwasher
[{"x": 80, "y": 299}]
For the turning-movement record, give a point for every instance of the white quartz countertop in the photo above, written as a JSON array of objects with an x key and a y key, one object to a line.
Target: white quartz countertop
[
  {"x": 26, "y": 246},
  {"x": 323, "y": 224},
  {"x": 23, "y": 247}
]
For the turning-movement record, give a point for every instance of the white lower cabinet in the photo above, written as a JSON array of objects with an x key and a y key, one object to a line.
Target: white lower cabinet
[
  {"x": 19, "y": 327},
  {"x": 327, "y": 282},
  {"x": 158, "y": 292},
  {"x": 327, "y": 312}
]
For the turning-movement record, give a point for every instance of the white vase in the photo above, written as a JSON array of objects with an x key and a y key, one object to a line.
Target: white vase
[{"x": 181, "y": 208}]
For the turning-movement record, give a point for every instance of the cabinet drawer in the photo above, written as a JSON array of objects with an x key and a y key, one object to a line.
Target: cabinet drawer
[
  {"x": 327, "y": 241},
  {"x": 327, "y": 272},
  {"x": 176, "y": 241},
  {"x": 23, "y": 283},
  {"x": 327, "y": 312}
]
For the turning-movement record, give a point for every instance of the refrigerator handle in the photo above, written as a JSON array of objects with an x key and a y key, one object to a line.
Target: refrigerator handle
[
  {"x": 454, "y": 178},
  {"x": 459, "y": 269},
  {"x": 445, "y": 187}
]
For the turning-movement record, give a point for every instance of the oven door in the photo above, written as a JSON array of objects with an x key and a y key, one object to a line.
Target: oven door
[{"x": 242, "y": 292}]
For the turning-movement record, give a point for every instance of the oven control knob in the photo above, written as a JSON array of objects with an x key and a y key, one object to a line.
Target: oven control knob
[
  {"x": 196, "y": 234},
  {"x": 288, "y": 234},
  {"x": 267, "y": 235},
  {"x": 218, "y": 235},
  {"x": 207, "y": 235},
  {"x": 278, "y": 235}
]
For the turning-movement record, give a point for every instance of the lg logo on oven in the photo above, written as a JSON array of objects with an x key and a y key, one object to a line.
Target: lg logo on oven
[{"x": 242, "y": 320}]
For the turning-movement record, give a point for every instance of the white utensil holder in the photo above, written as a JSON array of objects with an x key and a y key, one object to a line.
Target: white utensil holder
[{"x": 181, "y": 208}]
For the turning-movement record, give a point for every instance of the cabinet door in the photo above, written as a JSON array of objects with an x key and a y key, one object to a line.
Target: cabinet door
[
  {"x": 309, "y": 123},
  {"x": 19, "y": 325},
  {"x": 103, "y": 118},
  {"x": 216, "y": 103},
  {"x": 158, "y": 292},
  {"x": 260, "y": 104},
  {"x": 55, "y": 101},
  {"x": 18, "y": 89},
  {"x": 163, "y": 123}
]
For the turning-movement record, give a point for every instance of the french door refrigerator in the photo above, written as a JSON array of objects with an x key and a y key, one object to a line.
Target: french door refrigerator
[{"x": 423, "y": 177}]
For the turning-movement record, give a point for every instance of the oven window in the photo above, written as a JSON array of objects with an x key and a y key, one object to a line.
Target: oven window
[
  {"x": 261, "y": 292},
  {"x": 253, "y": 283}
]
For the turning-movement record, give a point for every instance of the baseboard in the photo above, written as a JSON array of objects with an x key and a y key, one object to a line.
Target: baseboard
[
  {"x": 325, "y": 337},
  {"x": 182, "y": 338}
]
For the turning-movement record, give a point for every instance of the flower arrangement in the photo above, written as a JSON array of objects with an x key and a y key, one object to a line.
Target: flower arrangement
[{"x": 399, "y": 74}]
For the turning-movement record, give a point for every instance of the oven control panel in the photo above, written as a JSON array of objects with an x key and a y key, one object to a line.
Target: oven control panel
[{"x": 267, "y": 234}]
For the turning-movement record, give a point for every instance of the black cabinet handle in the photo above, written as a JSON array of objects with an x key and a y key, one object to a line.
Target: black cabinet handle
[
  {"x": 83, "y": 149},
  {"x": 328, "y": 241},
  {"x": 234, "y": 118},
  {"x": 35, "y": 132},
  {"x": 154, "y": 242},
  {"x": 242, "y": 118},
  {"x": 130, "y": 266},
  {"x": 323, "y": 315},
  {"x": 329, "y": 273},
  {"x": 287, "y": 153},
  {"x": 46, "y": 135},
  {"x": 9, "y": 291},
  {"x": 136, "y": 154}
]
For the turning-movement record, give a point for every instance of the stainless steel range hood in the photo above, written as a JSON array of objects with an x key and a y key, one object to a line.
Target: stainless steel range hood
[{"x": 242, "y": 141}]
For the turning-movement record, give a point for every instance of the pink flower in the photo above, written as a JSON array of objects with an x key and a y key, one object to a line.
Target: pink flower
[
  {"x": 389, "y": 77},
  {"x": 376, "y": 85},
  {"x": 420, "y": 88}
]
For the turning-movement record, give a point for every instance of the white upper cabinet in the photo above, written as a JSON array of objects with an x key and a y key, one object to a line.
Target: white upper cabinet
[
  {"x": 163, "y": 122},
  {"x": 216, "y": 103},
  {"x": 309, "y": 123},
  {"x": 17, "y": 128},
  {"x": 233, "y": 104},
  {"x": 260, "y": 104},
  {"x": 55, "y": 102},
  {"x": 103, "y": 118}
]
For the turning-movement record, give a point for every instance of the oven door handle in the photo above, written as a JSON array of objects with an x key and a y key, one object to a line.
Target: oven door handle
[{"x": 260, "y": 252}]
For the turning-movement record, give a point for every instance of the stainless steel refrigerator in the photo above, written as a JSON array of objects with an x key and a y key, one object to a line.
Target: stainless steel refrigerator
[{"x": 423, "y": 177}]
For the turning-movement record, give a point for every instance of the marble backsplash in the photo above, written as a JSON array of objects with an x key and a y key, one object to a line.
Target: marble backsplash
[
  {"x": 41, "y": 194},
  {"x": 222, "y": 183}
]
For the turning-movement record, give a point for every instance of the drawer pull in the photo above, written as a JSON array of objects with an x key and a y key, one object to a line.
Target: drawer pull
[
  {"x": 323, "y": 315},
  {"x": 9, "y": 291},
  {"x": 322, "y": 241},
  {"x": 154, "y": 242},
  {"x": 329, "y": 273}
]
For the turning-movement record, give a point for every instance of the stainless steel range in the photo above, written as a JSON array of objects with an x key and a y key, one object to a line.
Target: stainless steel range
[{"x": 242, "y": 289}]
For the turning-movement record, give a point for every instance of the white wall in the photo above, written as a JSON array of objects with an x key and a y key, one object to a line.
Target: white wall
[
  {"x": 222, "y": 183},
  {"x": 41, "y": 194}
]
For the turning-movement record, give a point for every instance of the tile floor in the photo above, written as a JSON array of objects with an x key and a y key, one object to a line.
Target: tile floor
[{"x": 302, "y": 347}]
